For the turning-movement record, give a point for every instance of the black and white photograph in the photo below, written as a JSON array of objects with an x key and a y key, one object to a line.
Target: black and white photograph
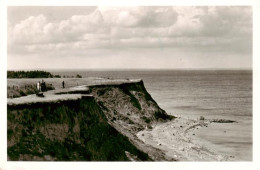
[{"x": 129, "y": 84}]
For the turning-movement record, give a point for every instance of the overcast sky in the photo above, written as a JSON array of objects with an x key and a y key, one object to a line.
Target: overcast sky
[{"x": 129, "y": 37}]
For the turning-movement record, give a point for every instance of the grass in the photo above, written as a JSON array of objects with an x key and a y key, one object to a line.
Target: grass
[
  {"x": 55, "y": 82},
  {"x": 133, "y": 100},
  {"x": 98, "y": 141},
  {"x": 27, "y": 89}
]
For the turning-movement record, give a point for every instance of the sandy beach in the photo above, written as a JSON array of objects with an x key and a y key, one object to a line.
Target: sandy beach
[{"x": 177, "y": 139}]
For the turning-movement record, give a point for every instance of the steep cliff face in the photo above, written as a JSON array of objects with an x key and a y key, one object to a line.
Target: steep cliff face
[
  {"x": 128, "y": 105},
  {"x": 73, "y": 125}
]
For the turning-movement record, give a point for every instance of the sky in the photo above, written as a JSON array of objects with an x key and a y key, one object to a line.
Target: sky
[{"x": 190, "y": 37}]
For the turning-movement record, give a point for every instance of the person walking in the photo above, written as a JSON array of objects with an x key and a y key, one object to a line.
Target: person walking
[
  {"x": 63, "y": 84},
  {"x": 43, "y": 86},
  {"x": 39, "y": 87}
]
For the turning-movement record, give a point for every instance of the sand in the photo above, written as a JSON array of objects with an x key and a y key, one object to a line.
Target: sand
[{"x": 177, "y": 139}]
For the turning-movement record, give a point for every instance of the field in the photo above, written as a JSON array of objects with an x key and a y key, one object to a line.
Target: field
[
  {"x": 26, "y": 86},
  {"x": 22, "y": 87}
]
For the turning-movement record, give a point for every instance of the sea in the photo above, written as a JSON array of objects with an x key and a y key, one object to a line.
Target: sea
[{"x": 213, "y": 94}]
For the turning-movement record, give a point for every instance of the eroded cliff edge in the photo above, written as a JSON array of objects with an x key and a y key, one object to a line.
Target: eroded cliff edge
[{"x": 92, "y": 122}]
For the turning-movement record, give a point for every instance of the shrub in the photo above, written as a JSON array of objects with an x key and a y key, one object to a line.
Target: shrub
[
  {"x": 146, "y": 119},
  {"x": 78, "y": 76},
  {"x": 161, "y": 115},
  {"x": 22, "y": 93}
]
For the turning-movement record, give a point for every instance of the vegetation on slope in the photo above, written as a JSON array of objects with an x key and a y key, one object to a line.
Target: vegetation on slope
[
  {"x": 87, "y": 129},
  {"x": 72, "y": 130}
]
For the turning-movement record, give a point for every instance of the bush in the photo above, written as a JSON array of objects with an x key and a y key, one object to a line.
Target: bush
[
  {"x": 146, "y": 119},
  {"x": 161, "y": 115},
  {"x": 78, "y": 76},
  {"x": 57, "y": 76},
  {"x": 22, "y": 93}
]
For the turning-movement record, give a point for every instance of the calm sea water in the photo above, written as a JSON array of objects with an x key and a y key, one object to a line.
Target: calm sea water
[{"x": 191, "y": 94}]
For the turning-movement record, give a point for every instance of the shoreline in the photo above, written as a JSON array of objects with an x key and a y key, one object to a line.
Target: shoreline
[{"x": 177, "y": 140}]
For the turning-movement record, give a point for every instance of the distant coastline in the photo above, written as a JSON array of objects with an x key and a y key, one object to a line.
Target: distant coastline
[
  {"x": 135, "y": 69},
  {"x": 36, "y": 74}
]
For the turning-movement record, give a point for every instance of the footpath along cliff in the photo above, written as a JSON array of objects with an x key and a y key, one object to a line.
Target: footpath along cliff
[{"x": 96, "y": 122}]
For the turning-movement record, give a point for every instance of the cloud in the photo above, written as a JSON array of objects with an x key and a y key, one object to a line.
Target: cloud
[
  {"x": 139, "y": 16},
  {"x": 29, "y": 29},
  {"x": 201, "y": 28},
  {"x": 38, "y": 30}
]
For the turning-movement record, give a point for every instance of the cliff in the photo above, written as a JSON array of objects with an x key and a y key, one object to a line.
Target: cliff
[{"x": 92, "y": 122}]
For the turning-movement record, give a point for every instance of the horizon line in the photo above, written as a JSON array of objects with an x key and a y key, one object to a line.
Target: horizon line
[{"x": 129, "y": 69}]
